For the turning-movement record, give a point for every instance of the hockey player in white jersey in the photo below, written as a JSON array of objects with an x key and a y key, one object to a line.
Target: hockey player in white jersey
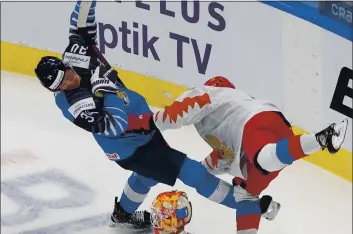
[{"x": 251, "y": 140}]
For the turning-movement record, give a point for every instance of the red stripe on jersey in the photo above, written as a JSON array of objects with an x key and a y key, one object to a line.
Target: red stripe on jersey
[
  {"x": 156, "y": 116},
  {"x": 178, "y": 108}
]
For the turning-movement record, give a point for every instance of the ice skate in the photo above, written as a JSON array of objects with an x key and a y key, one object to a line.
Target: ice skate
[
  {"x": 139, "y": 220},
  {"x": 333, "y": 136},
  {"x": 269, "y": 207}
]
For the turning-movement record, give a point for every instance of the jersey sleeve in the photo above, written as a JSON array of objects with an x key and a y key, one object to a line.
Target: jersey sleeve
[
  {"x": 83, "y": 22},
  {"x": 188, "y": 109},
  {"x": 81, "y": 52},
  {"x": 108, "y": 118}
]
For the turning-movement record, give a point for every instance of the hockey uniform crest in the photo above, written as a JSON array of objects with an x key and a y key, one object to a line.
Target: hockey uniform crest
[
  {"x": 226, "y": 152},
  {"x": 122, "y": 95}
]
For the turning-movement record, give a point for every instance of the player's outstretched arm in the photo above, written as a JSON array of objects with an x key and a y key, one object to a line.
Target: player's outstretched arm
[
  {"x": 83, "y": 24},
  {"x": 83, "y": 39},
  {"x": 190, "y": 108}
]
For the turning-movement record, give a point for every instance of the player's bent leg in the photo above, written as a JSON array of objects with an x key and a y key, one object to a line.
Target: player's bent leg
[
  {"x": 248, "y": 217},
  {"x": 195, "y": 175},
  {"x": 152, "y": 163},
  {"x": 276, "y": 156},
  {"x": 262, "y": 129},
  {"x": 135, "y": 192},
  {"x": 156, "y": 160},
  {"x": 251, "y": 209}
]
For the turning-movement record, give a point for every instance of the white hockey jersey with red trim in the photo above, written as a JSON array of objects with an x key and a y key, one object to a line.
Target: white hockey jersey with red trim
[{"x": 219, "y": 115}]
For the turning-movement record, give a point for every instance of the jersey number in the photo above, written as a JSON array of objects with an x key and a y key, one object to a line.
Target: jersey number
[
  {"x": 88, "y": 116},
  {"x": 81, "y": 49}
]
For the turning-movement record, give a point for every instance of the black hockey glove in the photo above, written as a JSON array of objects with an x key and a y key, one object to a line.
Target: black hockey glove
[{"x": 101, "y": 83}]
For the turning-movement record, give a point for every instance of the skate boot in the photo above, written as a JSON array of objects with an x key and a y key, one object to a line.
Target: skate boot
[
  {"x": 269, "y": 208},
  {"x": 139, "y": 220},
  {"x": 332, "y": 137}
]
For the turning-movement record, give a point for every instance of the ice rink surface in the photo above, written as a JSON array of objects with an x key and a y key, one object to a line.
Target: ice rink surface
[{"x": 56, "y": 179}]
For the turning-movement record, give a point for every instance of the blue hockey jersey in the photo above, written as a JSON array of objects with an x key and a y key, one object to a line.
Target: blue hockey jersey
[{"x": 106, "y": 118}]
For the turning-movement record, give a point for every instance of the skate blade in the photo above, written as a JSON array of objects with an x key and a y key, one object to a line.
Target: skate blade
[
  {"x": 129, "y": 229},
  {"x": 341, "y": 129}
]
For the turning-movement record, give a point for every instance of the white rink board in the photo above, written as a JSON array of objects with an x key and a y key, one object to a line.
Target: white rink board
[
  {"x": 70, "y": 157},
  {"x": 264, "y": 51}
]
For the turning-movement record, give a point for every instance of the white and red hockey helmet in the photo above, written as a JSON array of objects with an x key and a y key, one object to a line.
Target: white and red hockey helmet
[
  {"x": 171, "y": 212},
  {"x": 219, "y": 81}
]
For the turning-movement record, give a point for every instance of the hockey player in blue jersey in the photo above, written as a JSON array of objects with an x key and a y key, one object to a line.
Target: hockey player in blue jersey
[{"x": 91, "y": 95}]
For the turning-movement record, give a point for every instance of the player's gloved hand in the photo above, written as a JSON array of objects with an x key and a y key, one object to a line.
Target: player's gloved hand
[
  {"x": 215, "y": 155},
  {"x": 140, "y": 123},
  {"x": 101, "y": 84}
]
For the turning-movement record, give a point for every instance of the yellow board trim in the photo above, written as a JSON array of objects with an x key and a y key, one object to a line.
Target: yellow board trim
[
  {"x": 22, "y": 59},
  {"x": 340, "y": 164}
]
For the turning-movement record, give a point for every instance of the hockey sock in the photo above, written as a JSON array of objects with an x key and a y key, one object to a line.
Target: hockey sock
[
  {"x": 248, "y": 216},
  {"x": 195, "y": 175},
  {"x": 274, "y": 157},
  {"x": 135, "y": 192}
]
